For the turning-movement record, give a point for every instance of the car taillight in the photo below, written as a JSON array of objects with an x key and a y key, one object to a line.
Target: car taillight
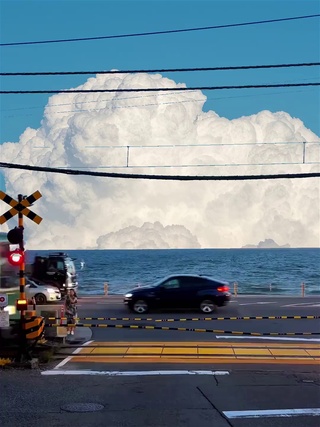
[{"x": 223, "y": 289}]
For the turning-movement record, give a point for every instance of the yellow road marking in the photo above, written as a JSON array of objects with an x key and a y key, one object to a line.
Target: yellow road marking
[
  {"x": 315, "y": 353},
  {"x": 196, "y": 360},
  {"x": 144, "y": 350},
  {"x": 252, "y": 351},
  {"x": 299, "y": 345},
  {"x": 111, "y": 350},
  {"x": 180, "y": 350},
  {"x": 288, "y": 352},
  {"x": 199, "y": 352},
  {"x": 204, "y": 351}
]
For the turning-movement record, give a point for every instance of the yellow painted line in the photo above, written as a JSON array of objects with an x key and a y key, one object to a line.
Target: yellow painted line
[
  {"x": 252, "y": 351},
  {"x": 315, "y": 353},
  {"x": 198, "y": 351},
  {"x": 207, "y": 351},
  {"x": 313, "y": 346},
  {"x": 110, "y": 350},
  {"x": 202, "y": 360},
  {"x": 86, "y": 350},
  {"x": 180, "y": 350},
  {"x": 288, "y": 352},
  {"x": 144, "y": 350}
]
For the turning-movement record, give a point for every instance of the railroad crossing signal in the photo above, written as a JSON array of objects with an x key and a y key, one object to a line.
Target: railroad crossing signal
[
  {"x": 20, "y": 207},
  {"x": 31, "y": 325}
]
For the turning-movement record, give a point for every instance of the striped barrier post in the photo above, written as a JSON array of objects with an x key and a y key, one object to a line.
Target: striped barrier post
[
  {"x": 61, "y": 314},
  {"x": 235, "y": 288},
  {"x": 106, "y": 286}
]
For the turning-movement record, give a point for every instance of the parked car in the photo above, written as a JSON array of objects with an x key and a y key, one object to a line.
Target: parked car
[
  {"x": 41, "y": 292},
  {"x": 180, "y": 291}
]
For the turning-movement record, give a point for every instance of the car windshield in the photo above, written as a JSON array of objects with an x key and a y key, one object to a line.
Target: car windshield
[{"x": 70, "y": 266}]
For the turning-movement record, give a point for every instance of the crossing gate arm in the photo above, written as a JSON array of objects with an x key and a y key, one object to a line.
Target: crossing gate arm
[
  {"x": 167, "y": 328},
  {"x": 190, "y": 319}
]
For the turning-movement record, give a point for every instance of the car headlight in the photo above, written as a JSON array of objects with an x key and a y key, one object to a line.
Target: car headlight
[
  {"x": 129, "y": 295},
  {"x": 51, "y": 291}
]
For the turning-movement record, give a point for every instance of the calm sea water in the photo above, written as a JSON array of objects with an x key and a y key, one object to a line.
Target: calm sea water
[{"x": 257, "y": 271}]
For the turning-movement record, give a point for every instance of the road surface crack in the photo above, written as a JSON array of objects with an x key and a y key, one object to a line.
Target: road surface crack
[{"x": 214, "y": 407}]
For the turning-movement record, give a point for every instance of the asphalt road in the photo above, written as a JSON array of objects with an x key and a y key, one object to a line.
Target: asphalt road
[
  {"x": 241, "y": 306},
  {"x": 130, "y": 389}
]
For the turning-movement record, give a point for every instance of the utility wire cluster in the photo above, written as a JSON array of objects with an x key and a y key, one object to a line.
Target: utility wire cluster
[
  {"x": 166, "y": 89},
  {"x": 162, "y": 89}
]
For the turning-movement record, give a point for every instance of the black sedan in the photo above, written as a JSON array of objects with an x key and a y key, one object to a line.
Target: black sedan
[{"x": 180, "y": 291}]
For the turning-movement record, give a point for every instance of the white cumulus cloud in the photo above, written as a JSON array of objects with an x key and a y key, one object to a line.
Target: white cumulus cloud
[{"x": 163, "y": 133}]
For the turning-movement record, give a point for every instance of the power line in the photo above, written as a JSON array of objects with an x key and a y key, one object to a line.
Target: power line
[
  {"x": 161, "y": 177},
  {"x": 153, "y": 33},
  {"x": 53, "y": 106},
  {"x": 163, "y": 89},
  {"x": 160, "y": 70}
]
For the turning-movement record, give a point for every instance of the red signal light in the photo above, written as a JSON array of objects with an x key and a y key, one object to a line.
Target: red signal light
[{"x": 16, "y": 257}]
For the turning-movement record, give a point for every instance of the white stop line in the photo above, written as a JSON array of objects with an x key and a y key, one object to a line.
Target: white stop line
[
  {"x": 314, "y": 412},
  {"x": 131, "y": 373}
]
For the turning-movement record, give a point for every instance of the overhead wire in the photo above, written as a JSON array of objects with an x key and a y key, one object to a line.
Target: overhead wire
[
  {"x": 161, "y": 177},
  {"x": 161, "y": 89},
  {"x": 153, "y": 33},
  {"x": 241, "y": 67},
  {"x": 159, "y": 70}
]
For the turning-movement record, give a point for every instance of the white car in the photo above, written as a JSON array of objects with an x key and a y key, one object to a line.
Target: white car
[{"x": 41, "y": 292}]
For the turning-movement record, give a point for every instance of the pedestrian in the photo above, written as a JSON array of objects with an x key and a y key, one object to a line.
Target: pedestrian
[{"x": 71, "y": 311}]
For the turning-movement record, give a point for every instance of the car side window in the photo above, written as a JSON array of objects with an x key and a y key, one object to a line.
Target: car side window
[
  {"x": 188, "y": 282},
  {"x": 171, "y": 284}
]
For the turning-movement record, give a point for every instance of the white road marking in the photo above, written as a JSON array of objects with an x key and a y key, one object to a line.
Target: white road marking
[
  {"x": 259, "y": 302},
  {"x": 67, "y": 359},
  {"x": 303, "y": 304},
  {"x": 242, "y": 337},
  {"x": 314, "y": 412},
  {"x": 131, "y": 373},
  {"x": 63, "y": 362}
]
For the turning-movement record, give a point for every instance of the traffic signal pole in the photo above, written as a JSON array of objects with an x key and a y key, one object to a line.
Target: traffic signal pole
[
  {"x": 22, "y": 282},
  {"x": 22, "y": 279}
]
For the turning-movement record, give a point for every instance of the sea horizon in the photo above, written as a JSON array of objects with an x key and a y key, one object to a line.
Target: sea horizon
[{"x": 256, "y": 270}]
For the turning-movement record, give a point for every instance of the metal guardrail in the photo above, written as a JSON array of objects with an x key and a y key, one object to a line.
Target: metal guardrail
[{"x": 303, "y": 289}]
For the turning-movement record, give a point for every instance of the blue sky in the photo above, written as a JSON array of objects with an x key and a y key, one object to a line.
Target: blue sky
[
  {"x": 273, "y": 43},
  {"x": 294, "y": 41}
]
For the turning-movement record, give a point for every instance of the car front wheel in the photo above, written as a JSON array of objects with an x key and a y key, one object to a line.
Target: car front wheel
[
  {"x": 207, "y": 306},
  {"x": 40, "y": 299},
  {"x": 140, "y": 306}
]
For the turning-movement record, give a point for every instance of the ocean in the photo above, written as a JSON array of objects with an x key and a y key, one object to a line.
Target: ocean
[{"x": 256, "y": 271}]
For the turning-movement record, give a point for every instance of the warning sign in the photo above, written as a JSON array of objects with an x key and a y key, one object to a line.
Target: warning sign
[
  {"x": 3, "y": 300},
  {"x": 4, "y": 319}
]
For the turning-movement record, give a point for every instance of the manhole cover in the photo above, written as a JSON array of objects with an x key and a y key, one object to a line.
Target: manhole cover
[{"x": 82, "y": 407}]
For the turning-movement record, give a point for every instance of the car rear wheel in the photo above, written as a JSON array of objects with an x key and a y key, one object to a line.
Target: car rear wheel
[
  {"x": 40, "y": 299},
  {"x": 140, "y": 306},
  {"x": 207, "y": 306}
]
